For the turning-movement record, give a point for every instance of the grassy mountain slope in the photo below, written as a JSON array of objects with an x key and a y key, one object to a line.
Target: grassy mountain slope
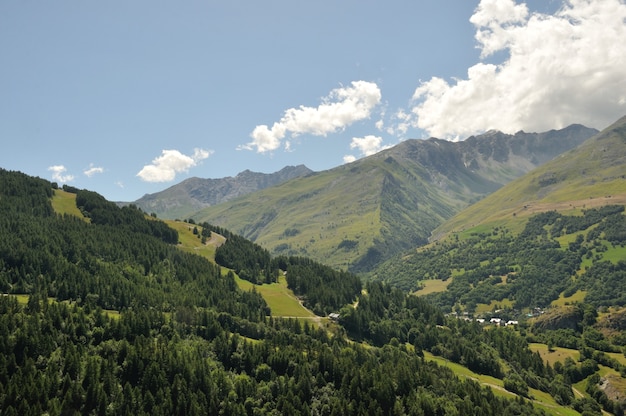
[
  {"x": 357, "y": 215},
  {"x": 592, "y": 174}
]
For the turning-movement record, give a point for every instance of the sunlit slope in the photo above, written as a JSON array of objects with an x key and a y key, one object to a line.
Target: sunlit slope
[
  {"x": 356, "y": 213},
  {"x": 65, "y": 203},
  {"x": 591, "y": 175}
]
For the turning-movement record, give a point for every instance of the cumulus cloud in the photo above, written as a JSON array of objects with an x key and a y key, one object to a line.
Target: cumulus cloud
[
  {"x": 349, "y": 158},
  {"x": 165, "y": 167},
  {"x": 558, "y": 69},
  {"x": 92, "y": 170},
  {"x": 341, "y": 108},
  {"x": 59, "y": 175},
  {"x": 367, "y": 146}
]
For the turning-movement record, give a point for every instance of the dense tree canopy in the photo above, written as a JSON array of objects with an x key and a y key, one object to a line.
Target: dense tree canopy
[{"x": 113, "y": 318}]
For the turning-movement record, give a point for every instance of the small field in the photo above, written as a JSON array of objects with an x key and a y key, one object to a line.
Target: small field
[
  {"x": 190, "y": 242},
  {"x": 577, "y": 297},
  {"x": 432, "y": 286},
  {"x": 557, "y": 353},
  {"x": 280, "y": 299},
  {"x": 65, "y": 203}
]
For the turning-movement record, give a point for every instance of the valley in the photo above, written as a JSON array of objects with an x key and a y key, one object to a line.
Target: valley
[{"x": 110, "y": 309}]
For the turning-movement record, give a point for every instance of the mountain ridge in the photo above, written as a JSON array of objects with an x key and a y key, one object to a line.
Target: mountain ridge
[
  {"x": 357, "y": 215},
  {"x": 193, "y": 194},
  {"x": 592, "y": 173}
]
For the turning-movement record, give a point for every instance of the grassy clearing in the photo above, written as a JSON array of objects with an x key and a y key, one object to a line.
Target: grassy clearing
[
  {"x": 190, "y": 242},
  {"x": 617, "y": 356},
  {"x": 432, "y": 286},
  {"x": 612, "y": 254},
  {"x": 577, "y": 297},
  {"x": 65, "y": 203},
  {"x": 557, "y": 353},
  {"x": 114, "y": 315},
  {"x": 280, "y": 299},
  {"x": 540, "y": 399},
  {"x": 21, "y": 299},
  {"x": 462, "y": 371}
]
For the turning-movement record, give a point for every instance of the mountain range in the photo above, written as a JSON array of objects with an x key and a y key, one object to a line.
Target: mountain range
[
  {"x": 359, "y": 214},
  {"x": 587, "y": 176},
  {"x": 193, "y": 194},
  {"x": 141, "y": 315}
]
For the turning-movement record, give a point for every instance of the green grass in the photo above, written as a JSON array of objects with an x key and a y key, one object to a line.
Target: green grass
[
  {"x": 618, "y": 356},
  {"x": 114, "y": 315},
  {"x": 540, "y": 399},
  {"x": 65, "y": 203},
  {"x": 557, "y": 353},
  {"x": 612, "y": 254},
  {"x": 21, "y": 299},
  {"x": 190, "y": 242},
  {"x": 280, "y": 299},
  {"x": 318, "y": 211},
  {"x": 462, "y": 371},
  {"x": 577, "y": 297},
  {"x": 432, "y": 286}
]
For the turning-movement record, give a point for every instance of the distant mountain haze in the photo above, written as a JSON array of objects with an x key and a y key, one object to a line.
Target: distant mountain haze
[
  {"x": 359, "y": 214},
  {"x": 193, "y": 194}
]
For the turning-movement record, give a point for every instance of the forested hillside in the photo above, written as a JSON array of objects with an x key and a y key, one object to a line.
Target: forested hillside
[
  {"x": 561, "y": 275},
  {"x": 107, "y": 316}
]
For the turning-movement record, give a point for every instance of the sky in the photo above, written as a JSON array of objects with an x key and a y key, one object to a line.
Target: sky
[{"x": 127, "y": 98}]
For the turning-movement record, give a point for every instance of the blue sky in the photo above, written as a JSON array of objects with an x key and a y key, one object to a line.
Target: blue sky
[{"x": 131, "y": 97}]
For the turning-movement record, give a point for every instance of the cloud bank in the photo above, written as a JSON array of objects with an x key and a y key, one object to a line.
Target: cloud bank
[
  {"x": 58, "y": 174},
  {"x": 165, "y": 167},
  {"x": 341, "y": 108},
  {"x": 559, "y": 69}
]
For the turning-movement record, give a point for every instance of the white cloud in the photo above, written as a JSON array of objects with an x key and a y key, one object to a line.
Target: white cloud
[
  {"x": 165, "y": 167},
  {"x": 93, "y": 170},
  {"x": 58, "y": 174},
  {"x": 367, "y": 146},
  {"x": 342, "y": 107},
  {"x": 560, "y": 69}
]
